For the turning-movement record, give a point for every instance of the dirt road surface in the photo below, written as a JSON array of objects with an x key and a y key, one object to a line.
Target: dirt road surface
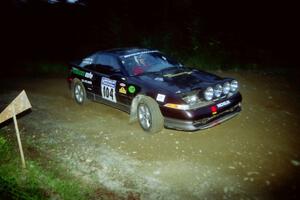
[{"x": 253, "y": 156}]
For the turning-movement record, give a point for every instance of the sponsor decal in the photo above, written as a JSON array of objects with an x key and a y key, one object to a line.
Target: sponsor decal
[
  {"x": 108, "y": 89},
  {"x": 160, "y": 97},
  {"x": 222, "y": 104},
  {"x": 86, "y": 81},
  {"x": 78, "y": 72},
  {"x": 82, "y": 73},
  {"x": 122, "y": 84},
  {"x": 122, "y": 90},
  {"x": 131, "y": 89},
  {"x": 88, "y": 75}
]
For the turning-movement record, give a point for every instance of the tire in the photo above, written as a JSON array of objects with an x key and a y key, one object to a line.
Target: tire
[
  {"x": 78, "y": 92},
  {"x": 149, "y": 115}
]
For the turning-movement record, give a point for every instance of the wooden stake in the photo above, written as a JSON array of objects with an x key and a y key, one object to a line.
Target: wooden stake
[{"x": 18, "y": 137}]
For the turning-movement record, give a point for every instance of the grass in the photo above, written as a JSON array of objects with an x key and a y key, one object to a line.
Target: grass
[{"x": 35, "y": 182}]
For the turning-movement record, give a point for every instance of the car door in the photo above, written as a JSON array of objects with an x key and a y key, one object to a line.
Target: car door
[{"x": 110, "y": 82}]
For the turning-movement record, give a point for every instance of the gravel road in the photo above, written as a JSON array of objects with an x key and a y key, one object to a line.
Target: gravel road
[{"x": 253, "y": 156}]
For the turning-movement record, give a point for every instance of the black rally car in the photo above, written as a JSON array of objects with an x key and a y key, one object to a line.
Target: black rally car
[{"x": 154, "y": 89}]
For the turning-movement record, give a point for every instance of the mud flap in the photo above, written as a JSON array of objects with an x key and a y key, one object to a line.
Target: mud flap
[{"x": 133, "y": 109}]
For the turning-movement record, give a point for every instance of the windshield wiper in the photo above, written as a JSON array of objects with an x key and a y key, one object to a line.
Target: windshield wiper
[
  {"x": 180, "y": 71},
  {"x": 177, "y": 74}
]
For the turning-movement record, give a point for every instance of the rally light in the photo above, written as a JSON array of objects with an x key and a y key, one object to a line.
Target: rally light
[
  {"x": 226, "y": 88},
  {"x": 218, "y": 90},
  {"x": 234, "y": 86},
  {"x": 209, "y": 93},
  {"x": 192, "y": 99}
]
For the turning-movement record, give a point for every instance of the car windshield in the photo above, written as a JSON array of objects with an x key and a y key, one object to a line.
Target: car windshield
[{"x": 148, "y": 62}]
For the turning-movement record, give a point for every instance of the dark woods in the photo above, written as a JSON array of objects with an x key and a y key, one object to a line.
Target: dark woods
[{"x": 215, "y": 34}]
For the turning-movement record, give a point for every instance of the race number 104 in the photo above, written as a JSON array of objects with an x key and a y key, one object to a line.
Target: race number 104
[{"x": 108, "y": 93}]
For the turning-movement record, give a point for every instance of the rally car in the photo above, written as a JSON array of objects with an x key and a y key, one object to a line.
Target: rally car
[{"x": 154, "y": 89}]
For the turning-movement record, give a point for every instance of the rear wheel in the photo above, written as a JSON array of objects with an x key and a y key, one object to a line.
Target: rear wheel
[
  {"x": 149, "y": 115},
  {"x": 78, "y": 92}
]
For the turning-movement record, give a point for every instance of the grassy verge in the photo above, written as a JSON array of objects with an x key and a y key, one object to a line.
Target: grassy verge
[{"x": 34, "y": 182}]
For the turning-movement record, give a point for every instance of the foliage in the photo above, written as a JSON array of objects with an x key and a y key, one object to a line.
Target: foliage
[
  {"x": 34, "y": 182},
  {"x": 4, "y": 148}
]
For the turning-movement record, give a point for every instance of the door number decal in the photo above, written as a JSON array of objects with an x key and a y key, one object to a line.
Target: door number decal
[{"x": 108, "y": 89}]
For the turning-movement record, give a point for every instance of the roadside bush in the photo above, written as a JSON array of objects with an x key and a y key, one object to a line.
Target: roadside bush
[{"x": 4, "y": 148}]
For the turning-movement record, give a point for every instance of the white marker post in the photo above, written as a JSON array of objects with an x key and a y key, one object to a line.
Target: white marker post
[
  {"x": 18, "y": 105},
  {"x": 18, "y": 137}
]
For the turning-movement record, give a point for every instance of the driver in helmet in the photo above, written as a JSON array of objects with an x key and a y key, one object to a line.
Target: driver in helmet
[{"x": 141, "y": 64}]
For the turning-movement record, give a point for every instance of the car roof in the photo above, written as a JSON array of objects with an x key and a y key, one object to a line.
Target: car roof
[{"x": 126, "y": 51}]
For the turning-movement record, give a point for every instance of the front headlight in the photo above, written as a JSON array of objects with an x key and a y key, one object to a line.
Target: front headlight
[
  {"x": 218, "y": 90},
  {"x": 234, "y": 86},
  {"x": 208, "y": 93},
  {"x": 226, "y": 88},
  {"x": 191, "y": 99},
  {"x": 177, "y": 106}
]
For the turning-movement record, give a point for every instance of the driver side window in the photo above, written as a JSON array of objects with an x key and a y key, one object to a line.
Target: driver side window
[
  {"x": 107, "y": 60},
  {"x": 105, "y": 64}
]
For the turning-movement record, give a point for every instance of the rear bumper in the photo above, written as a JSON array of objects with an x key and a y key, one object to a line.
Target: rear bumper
[{"x": 202, "y": 123}]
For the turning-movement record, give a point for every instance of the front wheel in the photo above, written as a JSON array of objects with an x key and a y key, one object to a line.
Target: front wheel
[
  {"x": 78, "y": 92},
  {"x": 149, "y": 115}
]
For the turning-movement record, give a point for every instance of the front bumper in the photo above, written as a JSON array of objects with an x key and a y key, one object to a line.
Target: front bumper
[{"x": 189, "y": 125}]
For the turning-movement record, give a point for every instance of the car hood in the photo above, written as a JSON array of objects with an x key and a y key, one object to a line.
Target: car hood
[{"x": 181, "y": 82}]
